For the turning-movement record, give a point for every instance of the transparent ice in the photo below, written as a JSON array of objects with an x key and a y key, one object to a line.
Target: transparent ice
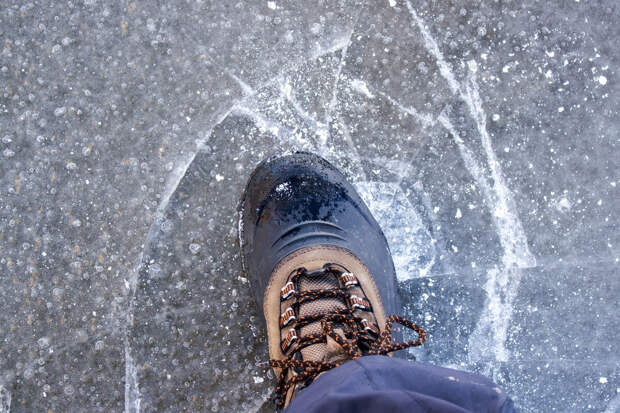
[{"x": 483, "y": 136}]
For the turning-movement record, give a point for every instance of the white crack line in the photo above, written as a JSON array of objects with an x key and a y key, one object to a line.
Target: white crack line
[
  {"x": 247, "y": 89},
  {"x": 265, "y": 124},
  {"x": 339, "y": 43},
  {"x": 132, "y": 386},
  {"x": 431, "y": 46},
  {"x": 343, "y": 58},
  {"x": 246, "y": 107},
  {"x": 357, "y": 159},
  {"x": 320, "y": 129},
  {"x": 426, "y": 120},
  {"x": 358, "y": 85},
  {"x": 329, "y": 113},
  {"x": 502, "y": 285},
  {"x": 423, "y": 118}
]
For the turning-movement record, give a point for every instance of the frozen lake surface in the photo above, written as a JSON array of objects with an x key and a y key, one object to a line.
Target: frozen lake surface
[{"x": 483, "y": 135}]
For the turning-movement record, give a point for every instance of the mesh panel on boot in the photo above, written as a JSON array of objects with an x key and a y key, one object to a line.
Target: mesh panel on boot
[
  {"x": 322, "y": 306},
  {"x": 323, "y": 281}
]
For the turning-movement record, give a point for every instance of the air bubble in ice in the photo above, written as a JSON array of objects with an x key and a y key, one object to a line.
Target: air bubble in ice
[
  {"x": 315, "y": 28},
  {"x": 43, "y": 342},
  {"x": 194, "y": 248},
  {"x": 150, "y": 24},
  {"x": 69, "y": 390},
  {"x": 81, "y": 336},
  {"x": 154, "y": 270},
  {"x": 28, "y": 373}
]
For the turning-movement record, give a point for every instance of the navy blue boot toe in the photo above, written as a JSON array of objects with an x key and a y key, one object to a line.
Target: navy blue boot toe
[{"x": 297, "y": 200}]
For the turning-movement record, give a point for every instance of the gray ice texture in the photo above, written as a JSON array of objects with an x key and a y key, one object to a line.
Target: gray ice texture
[{"x": 484, "y": 136}]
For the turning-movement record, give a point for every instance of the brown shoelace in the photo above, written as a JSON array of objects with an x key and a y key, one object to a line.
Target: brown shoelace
[{"x": 307, "y": 370}]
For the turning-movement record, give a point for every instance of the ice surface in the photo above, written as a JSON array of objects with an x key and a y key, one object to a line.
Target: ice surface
[
  {"x": 483, "y": 135},
  {"x": 412, "y": 248},
  {"x": 5, "y": 400}
]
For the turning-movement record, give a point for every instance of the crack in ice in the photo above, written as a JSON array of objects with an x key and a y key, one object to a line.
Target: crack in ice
[
  {"x": 132, "y": 386},
  {"x": 423, "y": 118},
  {"x": 319, "y": 128},
  {"x": 349, "y": 141},
  {"x": 246, "y": 88},
  {"x": 341, "y": 63},
  {"x": 263, "y": 123},
  {"x": 339, "y": 43},
  {"x": 433, "y": 48},
  {"x": 502, "y": 284}
]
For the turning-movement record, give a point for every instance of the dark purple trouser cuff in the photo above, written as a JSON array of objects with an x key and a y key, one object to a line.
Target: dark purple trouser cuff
[{"x": 386, "y": 384}]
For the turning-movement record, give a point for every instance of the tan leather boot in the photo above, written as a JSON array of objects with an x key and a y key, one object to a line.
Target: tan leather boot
[{"x": 319, "y": 266}]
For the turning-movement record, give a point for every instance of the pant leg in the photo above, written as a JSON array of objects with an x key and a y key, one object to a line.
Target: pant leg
[{"x": 386, "y": 384}]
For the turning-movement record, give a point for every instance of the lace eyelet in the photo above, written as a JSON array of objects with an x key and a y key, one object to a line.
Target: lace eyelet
[
  {"x": 348, "y": 279},
  {"x": 287, "y": 290},
  {"x": 369, "y": 327},
  {"x": 291, "y": 338},
  {"x": 359, "y": 303},
  {"x": 287, "y": 317}
]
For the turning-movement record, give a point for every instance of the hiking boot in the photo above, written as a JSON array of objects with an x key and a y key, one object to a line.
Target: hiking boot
[{"x": 319, "y": 267}]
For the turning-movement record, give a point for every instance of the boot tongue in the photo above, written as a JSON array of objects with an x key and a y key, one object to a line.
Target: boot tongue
[
  {"x": 316, "y": 352},
  {"x": 334, "y": 351}
]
